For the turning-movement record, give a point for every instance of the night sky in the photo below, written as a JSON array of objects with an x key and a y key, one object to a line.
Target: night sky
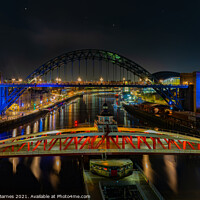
[{"x": 158, "y": 35}]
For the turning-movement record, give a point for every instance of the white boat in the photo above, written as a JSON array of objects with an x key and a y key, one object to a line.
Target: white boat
[{"x": 105, "y": 122}]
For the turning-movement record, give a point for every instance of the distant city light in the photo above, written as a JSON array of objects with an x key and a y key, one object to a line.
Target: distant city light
[
  {"x": 124, "y": 78},
  {"x": 79, "y": 79},
  {"x": 20, "y": 80},
  {"x": 58, "y": 79},
  {"x": 101, "y": 79}
]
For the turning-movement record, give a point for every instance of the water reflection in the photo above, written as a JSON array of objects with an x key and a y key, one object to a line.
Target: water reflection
[
  {"x": 41, "y": 125},
  {"x": 70, "y": 115},
  {"x": 35, "y": 167},
  {"x": 50, "y": 122},
  {"x": 170, "y": 168},
  {"x": 35, "y": 127},
  {"x": 54, "y": 175},
  {"x": 148, "y": 171},
  {"x": 83, "y": 109},
  {"x": 14, "y": 132},
  {"x": 28, "y": 129},
  {"x": 15, "y": 162}
]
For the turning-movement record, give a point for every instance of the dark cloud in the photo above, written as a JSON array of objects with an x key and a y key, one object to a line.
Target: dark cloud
[{"x": 159, "y": 35}]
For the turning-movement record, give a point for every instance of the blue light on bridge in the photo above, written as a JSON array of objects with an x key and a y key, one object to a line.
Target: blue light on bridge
[{"x": 197, "y": 92}]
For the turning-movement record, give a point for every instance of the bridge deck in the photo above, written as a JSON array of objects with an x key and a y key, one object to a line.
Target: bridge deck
[
  {"x": 26, "y": 85},
  {"x": 87, "y": 140}
]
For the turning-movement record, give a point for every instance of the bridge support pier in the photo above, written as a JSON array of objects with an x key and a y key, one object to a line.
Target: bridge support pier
[{"x": 3, "y": 96}]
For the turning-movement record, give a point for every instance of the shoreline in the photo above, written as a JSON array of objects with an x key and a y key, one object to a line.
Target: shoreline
[{"x": 13, "y": 123}]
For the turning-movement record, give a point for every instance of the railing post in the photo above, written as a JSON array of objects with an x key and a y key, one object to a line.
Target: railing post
[
  {"x": 76, "y": 143},
  {"x": 28, "y": 146},
  {"x": 154, "y": 143},
  {"x": 117, "y": 137},
  {"x": 60, "y": 144},
  {"x": 123, "y": 142},
  {"x": 184, "y": 144},
  {"x": 45, "y": 142},
  {"x": 169, "y": 143},
  {"x": 107, "y": 142},
  {"x": 139, "y": 141}
]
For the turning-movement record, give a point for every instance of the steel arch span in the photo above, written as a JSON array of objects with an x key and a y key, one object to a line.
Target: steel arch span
[{"x": 90, "y": 54}]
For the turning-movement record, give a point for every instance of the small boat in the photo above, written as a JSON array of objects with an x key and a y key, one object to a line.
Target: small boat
[{"x": 105, "y": 122}]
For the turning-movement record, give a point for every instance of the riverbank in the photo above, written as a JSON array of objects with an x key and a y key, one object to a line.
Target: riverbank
[
  {"x": 159, "y": 122},
  {"x": 13, "y": 123}
]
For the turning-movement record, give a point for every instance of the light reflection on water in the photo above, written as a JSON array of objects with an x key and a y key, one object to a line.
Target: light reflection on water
[
  {"x": 15, "y": 162},
  {"x": 148, "y": 171},
  {"x": 35, "y": 167},
  {"x": 86, "y": 109},
  {"x": 170, "y": 168},
  {"x": 54, "y": 175}
]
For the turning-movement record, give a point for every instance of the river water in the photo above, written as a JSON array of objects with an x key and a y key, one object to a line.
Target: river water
[{"x": 176, "y": 177}]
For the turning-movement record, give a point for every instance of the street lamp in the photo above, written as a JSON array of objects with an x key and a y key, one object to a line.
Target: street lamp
[
  {"x": 101, "y": 79},
  {"x": 58, "y": 79}
]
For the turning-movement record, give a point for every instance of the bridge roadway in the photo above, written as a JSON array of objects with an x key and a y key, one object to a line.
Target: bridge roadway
[
  {"x": 87, "y": 141},
  {"x": 25, "y": 85}
]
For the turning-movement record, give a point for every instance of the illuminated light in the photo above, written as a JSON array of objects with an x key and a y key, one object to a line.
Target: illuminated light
[
  {"x": 146, "y": 79},
  {"x": 41, "y": 101},
  {"x": 170, "y": 102},
  {"x": 161, "y": 80},
  {"x": 34, "y": 105},
  {"x": 124, "y": 78},
  {"x": 20, "y": 80},
  {"x": 79, "y": 79},
  {"x": 75, "y": 123},
  {"x": 101, "y": 79},
  {"x": 105, "y": 169},
  {"x": 40, "y": 79},
  {"x": 13, "y": 79}
]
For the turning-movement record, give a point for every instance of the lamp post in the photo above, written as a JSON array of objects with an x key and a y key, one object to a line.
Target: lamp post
[{"x": 101, "y": 79}]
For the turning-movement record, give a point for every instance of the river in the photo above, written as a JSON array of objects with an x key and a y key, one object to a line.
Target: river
[{"x": 176, "y": 177}]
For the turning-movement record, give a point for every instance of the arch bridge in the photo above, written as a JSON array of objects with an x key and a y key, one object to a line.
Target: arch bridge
[
  {"x": 92, "y": 65},
  {"x": 87, "y": 141}
]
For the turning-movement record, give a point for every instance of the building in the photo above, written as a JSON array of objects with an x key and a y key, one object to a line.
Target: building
[{"x": 191, "y": 95}]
